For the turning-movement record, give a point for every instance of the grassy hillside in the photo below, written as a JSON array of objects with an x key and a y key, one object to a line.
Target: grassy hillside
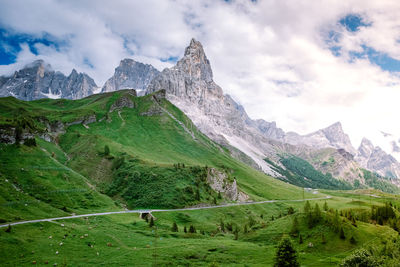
[
  {"x": 149, "y": 155},
  {"x": 71, "y": 174}
]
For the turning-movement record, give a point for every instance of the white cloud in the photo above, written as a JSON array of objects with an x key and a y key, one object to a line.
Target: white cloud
[{"x": 272, "y": 56}]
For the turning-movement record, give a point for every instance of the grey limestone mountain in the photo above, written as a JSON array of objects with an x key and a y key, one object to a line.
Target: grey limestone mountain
[
  {"x": 374, "y": 158},
  {"x": 38, "y": 80},
  {"x": 332, "y": 136},
  {"x": 190, "y": 86},
  {"x": 130, "y": 75}
]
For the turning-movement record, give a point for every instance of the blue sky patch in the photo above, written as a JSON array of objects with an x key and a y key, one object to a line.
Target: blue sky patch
[
  {"x": 10, "y": 44},
  {"x": 170, "y": 59},
  {"x": 353, "y": 22},
  {"x": 383, "y": 60}
]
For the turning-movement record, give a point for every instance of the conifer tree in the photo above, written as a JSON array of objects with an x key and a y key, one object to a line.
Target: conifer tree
[
  {"x": 295, "y": 227},
  {"x": 192, "y": 230},
  {"x": 341, "y": 233},
  {"x": 151, "y": 224},
  {"x": 222, "y": 226},
  {"x": 174, "y": 227},
  {"x": 106, "y": 150},
  {"x": 307, "y": 207},
  {"x": 236, "y": 232},
  {"x": 326, "y": 206},
  {"x": 286, "y": 255},
  {"x": 245, "y": 230}
]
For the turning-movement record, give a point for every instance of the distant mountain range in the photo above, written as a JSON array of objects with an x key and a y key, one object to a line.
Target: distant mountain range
[
  {"x": 38, "y": 80},
  {"x": 190, "y": 86}
]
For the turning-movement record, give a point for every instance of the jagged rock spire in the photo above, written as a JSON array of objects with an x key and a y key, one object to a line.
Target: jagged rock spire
[{"x": 190, "y": 79}]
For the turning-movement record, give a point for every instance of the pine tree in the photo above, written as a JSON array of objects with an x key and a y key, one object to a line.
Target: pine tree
[
  {"x": 252, "y": 222},
  {"x": 192, "y": 230},
  {"x": 106, "y": 150},
  {"x": 317, "y": 213},
  {"x": 236, "y": 232},
  {"x": 197, "y": 195},
  {"x": 245, "y": 229},
  {"x": 174, "y": 227},
  {"x": 290, "y": 210},
  {"x": 323, "y": 239},
  {"x": 151, "y": 224},
  {"x": 295, "y": 227},
  {"x": 300, "y": 239},
  {"x": 8, "y": 229},
  {"x": 307, "y": 207},
  {"x": 336, "y": 222},
  {"x": 222, "y": 226},
  {"x": 286, "y": 255},
  {"x": 326, "y": 206},
  {"x": 341, "y": 233}
]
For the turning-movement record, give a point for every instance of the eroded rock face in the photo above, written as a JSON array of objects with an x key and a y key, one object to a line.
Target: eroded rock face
[
  {"x": 122, "y": 102},
  {"x": 38, "y": 80},
  {"x": 130, "y": 74},
  {"x": 189, "y": 85},
  {"x": 219, "y": 182},
  {"x": 332, "y": 136},
  {"x": 374, "y": 158},
  {"x": 11, "y": 136}
]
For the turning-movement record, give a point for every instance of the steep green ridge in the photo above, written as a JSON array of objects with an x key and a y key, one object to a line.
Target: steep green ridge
[
  {"x": 301, "y": 173},
  {"x": 72, "y": 174},
  {"x": 377, "y": 182}
]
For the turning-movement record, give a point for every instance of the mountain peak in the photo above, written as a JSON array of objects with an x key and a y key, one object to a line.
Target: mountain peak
[
  {"x": 337, "y": 126},
  {"x": 40, "y": 64},
  {"x": 194, "y": 46},
  {"x": 127, "y": 62},
  {"x": 130, "y": 74},
  {"x": 366, "y": 141},
  {"x": 195, "y": 62}
]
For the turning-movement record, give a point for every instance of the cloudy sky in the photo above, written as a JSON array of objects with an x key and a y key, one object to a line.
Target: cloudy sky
[{"x": 304, "y": 64}]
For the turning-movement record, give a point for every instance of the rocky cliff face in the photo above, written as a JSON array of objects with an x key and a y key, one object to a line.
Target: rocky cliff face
[
  {"x": 38, "y": 80},
  {"x": 130, "y": 75},
  {"x": 332, "y": 136},
  {"x": 190, "y": 86},
  {"x": 374, "y": 158}
]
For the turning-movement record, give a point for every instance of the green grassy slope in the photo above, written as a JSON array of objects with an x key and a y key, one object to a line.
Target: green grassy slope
[
  {"x": 74, "y": 175},
  {"x": 70, "y": 173}
]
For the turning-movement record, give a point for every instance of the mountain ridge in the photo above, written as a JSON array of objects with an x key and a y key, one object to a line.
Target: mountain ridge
[
  {"x": 190, "y": 86},
  {"x": 38, "y": 80}
]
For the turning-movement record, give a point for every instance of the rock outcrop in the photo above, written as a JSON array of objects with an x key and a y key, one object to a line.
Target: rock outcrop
[
  {"x": 38, "y": 80},
  {"x": 219, "y": 182},
  {"x": 130, "y": 74},
  {"x": 122, "y": 102}
]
